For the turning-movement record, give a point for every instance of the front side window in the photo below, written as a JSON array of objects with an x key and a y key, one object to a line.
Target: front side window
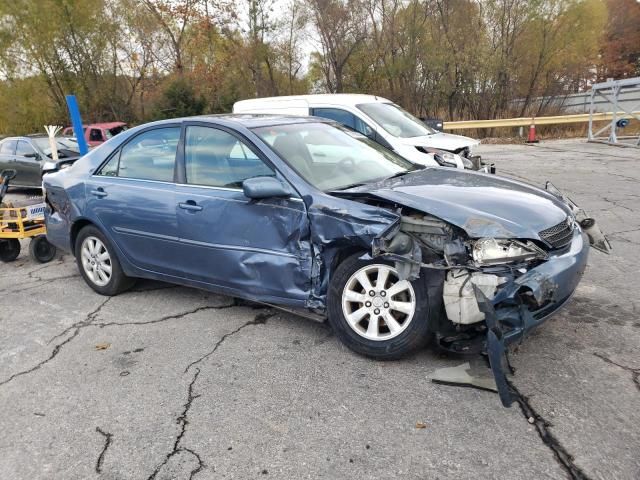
[
  {"x": 331, "y": 158},
  {"x": 395, "y": 120},
  {"x": 150, "y": 155},
  {"x": 347, "y": 119},
  {"x": 8, "y": 147},
  {"x": 216, "y": 158},
  {"x": 24, "y": 149},
  {"x": 341, "y": 116}
]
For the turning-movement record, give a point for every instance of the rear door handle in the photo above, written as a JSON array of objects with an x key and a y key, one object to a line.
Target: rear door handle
[
  {"x": 99, "y": 192},
  {"x": 190, "y": 205}
]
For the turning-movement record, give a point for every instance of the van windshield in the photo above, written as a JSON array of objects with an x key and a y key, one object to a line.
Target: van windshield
[
  {"x": 395, "y": 120},
  {"x": 330, "y": 157}
]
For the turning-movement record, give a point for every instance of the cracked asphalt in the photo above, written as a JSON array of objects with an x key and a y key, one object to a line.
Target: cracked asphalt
[{"x": 167, "y": 382}]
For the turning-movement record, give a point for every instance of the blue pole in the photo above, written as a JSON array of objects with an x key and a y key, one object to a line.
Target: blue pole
[{"x": 76, "y": 121}]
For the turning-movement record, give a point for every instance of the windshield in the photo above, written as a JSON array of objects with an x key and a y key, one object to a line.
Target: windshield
[
  {"x": 395, "y": 120},
  {"x": 62, "y": 144},
  {"x": 331, "y": 157}
]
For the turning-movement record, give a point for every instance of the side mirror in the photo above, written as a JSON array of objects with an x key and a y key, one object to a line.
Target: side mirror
[
  {"x": 257, "y": 188},
  {"x": 32, "y": 155}
]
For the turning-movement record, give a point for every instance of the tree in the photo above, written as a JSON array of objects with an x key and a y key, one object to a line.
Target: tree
[
  {"x": 621, "y": 51},
  {"x": 341, "y": 26},
  {"x": 179, "y": 99}
]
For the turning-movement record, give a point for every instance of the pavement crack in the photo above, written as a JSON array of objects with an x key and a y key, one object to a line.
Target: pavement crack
[
  {"x": 183, "y": 421},
  {"x": 616, "y": 204},
  {"x": 76, "y": 327},
  {"x": 259, "y": 319},
  {"x": 107, "y": 443},
  {"x": 34, "y": 283},
  {"x": 82, "y": 323},
  {"x": 635, "y": 372},
  {"x": 167, "y": 317},
  {"x": 564, "y": 458}
]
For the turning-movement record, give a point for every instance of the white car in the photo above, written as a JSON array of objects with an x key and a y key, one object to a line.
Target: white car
[{"x": 379, "y": 119}]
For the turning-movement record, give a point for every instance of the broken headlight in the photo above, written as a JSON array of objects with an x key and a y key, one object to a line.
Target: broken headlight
[
  {"x": 448, "y": 159},
  {"x": 491, "y": 251}
]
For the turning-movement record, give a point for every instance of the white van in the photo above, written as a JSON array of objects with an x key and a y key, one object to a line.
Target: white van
[{"x": 379, "y": 119}]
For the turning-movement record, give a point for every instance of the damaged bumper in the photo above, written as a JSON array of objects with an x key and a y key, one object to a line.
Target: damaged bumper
[{"x": 527, "y": 301}]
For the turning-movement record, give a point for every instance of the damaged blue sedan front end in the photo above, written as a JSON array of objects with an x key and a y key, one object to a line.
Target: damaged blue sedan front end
[{"x": 508, "y": 255}]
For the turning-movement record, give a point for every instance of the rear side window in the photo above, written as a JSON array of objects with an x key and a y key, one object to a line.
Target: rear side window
[
  {"x": 216, "y": 158},
  {"x": 149, "y": 156},
  {"x": 8, "y": 147}
]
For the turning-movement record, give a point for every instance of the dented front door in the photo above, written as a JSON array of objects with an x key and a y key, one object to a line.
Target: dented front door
[{"x": 254, "y": 247}]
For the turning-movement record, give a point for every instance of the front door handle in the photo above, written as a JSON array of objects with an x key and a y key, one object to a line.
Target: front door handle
[
  {"x": 99, "y": 192},
  {"x": 190, "y": 205}
]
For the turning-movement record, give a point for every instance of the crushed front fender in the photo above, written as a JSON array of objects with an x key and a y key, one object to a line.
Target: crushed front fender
[{"x": 525, "y": 302}]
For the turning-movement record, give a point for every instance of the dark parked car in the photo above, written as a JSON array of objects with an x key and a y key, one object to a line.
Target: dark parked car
[
  {"x": 30, "y": 157},
  {"x": 390, "y": 252}
]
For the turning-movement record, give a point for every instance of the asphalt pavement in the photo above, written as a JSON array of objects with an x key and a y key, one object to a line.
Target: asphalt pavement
[{"x": 168, "y": 382}]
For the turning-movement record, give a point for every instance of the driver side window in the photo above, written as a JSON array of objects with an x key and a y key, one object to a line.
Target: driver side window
[{"x": 216, "y": 158}]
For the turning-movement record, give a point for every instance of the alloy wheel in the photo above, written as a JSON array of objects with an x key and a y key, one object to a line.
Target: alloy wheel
[
  {"x": 376, "y": 304},
  {"x": 96, "y": 261}
]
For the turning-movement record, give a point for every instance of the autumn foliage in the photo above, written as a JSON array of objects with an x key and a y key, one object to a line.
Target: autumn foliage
[{"x": 137, "y": 60}]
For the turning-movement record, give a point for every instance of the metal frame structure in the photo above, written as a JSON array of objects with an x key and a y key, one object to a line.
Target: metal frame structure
[{"x": 610, "y": 91}]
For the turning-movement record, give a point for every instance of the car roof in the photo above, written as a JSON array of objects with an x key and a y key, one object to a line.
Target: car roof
[
  {"x": 350, "y": 99},
  {"x": 248, "y": 120},
  {"x": 104, "y": 125},
  {"x": 26, "y": 137}
]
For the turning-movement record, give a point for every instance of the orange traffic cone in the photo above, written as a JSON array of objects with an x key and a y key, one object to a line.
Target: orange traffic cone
[{"x": 532, "y": 134}]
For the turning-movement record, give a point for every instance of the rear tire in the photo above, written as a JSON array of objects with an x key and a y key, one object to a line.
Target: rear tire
[
  {"x": 41, "y": 250},
  {"x": 98, "y": 263},
  {"x": 9, "y": 249},
  {"x": 383, "y": 321}
]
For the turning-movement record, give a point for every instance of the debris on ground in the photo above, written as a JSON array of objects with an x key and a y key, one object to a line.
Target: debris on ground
[{"x": 460, "y": 376}]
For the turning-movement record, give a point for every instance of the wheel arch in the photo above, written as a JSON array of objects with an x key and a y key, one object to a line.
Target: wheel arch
[{"x": 75, "y": 230}]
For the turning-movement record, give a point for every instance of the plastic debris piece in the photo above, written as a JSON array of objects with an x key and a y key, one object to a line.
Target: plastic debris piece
[{"x": 460, "y": 376}]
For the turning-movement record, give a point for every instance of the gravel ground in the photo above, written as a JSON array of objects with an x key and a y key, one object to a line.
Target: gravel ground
[{"x": 168, "y": 382}]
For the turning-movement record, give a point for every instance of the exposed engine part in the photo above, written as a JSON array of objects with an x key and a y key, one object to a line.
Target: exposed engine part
[
  {"x": 459, "y": 296},
  {"x": 492, "y": 251},
  {"x": 401, "y": 244},
  {"x": 455, "y": 252},
  {"x": 431, "y": 231}
]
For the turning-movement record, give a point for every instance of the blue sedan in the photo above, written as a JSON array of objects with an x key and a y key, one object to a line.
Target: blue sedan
[{"x": 304, "y": 214}]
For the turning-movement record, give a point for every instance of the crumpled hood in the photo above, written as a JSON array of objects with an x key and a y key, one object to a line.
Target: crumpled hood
[
  {"x": 442, "y": 141},
  {"x": 481, "y": 204}
]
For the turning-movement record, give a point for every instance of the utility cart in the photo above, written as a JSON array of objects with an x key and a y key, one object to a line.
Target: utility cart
[{"x": 23, "y": 219}]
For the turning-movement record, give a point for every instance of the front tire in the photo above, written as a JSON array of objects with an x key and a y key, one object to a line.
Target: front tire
[
  {"x": 98, "y": 263},
  {"x": 376, "y": 314}
]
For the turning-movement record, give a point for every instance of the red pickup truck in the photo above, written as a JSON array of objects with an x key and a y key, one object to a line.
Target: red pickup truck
[{"x": 98, "y": 133}]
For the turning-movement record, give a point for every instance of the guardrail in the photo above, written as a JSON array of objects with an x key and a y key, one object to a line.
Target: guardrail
[{"x": 526, "y": 121}]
